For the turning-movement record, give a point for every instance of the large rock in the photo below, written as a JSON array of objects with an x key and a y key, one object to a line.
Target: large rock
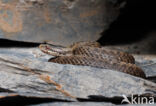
[
  {"x": 77, "y": 104},
  {"x": 26, "y": 72},
  {"x": 60, "y": 21}
]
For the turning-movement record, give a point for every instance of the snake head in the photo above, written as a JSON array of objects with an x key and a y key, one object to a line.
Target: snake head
[{"x": 55, "y": 50}]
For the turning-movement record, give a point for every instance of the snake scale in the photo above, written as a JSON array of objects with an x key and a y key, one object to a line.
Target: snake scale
[{"x": 93, "y": 54}]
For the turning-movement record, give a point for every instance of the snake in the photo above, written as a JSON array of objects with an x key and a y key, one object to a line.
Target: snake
[{"x": 94, "y": 55}]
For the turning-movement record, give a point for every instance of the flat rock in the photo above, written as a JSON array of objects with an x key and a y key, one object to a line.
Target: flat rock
[
  {"x": 26, "y": 72},
  {"x": 76, "y": 104},
  {"x": 84, "y": 104}
]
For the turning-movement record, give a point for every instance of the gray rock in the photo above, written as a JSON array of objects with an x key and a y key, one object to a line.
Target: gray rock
[
  {"x": 26, "y": 72},
  {"x": 57, "y": 20},
  {"x": 76, "y": 104},
  {"x": 86, "y": 104}
]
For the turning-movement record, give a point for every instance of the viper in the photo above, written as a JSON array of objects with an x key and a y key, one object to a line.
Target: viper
[{"x": 94, "y": 55}]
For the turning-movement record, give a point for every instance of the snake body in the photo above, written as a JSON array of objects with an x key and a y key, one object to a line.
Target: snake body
[
  {"x": 103, "y": 53},
  {"x": 93, "y": 54}
]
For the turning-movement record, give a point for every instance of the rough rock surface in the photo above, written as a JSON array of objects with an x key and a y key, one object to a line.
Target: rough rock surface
[
  {"x": 84, "y": 104},
  {"x": 78, "y": 104},
  {"x": 26, "y": 72},
  {"x": 57, "y": 20}
]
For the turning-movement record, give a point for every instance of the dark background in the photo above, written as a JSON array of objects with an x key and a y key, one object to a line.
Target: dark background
[{"x": 136, "y": 20}]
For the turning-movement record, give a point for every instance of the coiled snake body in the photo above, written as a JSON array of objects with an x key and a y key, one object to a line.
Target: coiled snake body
[{"x": 93, "y": 54}]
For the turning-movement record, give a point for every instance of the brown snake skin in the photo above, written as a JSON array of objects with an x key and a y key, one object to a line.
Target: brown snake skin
[
  {"x": 92, "y": 54},
  {"x": 103, "y": 53}
]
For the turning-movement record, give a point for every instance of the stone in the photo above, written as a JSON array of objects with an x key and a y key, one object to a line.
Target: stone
[
  {"x": 77, "y": 104},
  {"x": 26, "y": 72},
  {"x": 59, "y": 21}
]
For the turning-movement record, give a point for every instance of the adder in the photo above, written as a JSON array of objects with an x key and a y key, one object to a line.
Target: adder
[{"x": 94, "y": 55}]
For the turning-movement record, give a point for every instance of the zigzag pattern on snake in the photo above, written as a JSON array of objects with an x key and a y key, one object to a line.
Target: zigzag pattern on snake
[{"x": 93, "y": 54}]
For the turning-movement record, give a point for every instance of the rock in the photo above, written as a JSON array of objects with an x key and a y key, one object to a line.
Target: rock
[
  {"x": 57, "y": 20},
  {"x": 77, "y": 104},
  {"x": 26, "y": 72},
  {"x": 144, "y": 46},
  {"x": 84, "y": 104}
]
